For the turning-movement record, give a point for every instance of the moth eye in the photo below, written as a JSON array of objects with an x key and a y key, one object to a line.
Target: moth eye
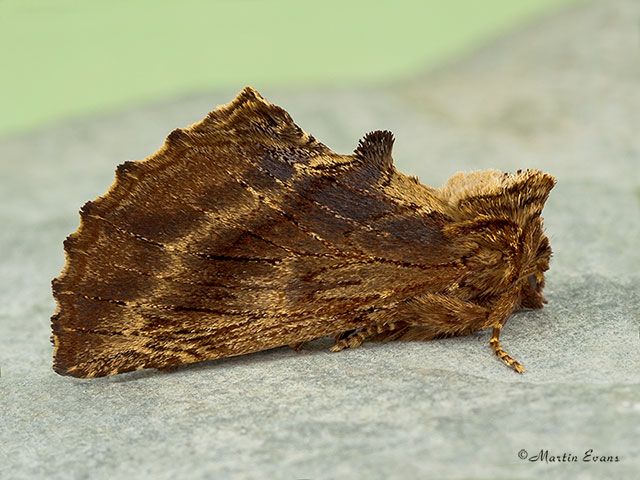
[{"x": 536, "y": 281}]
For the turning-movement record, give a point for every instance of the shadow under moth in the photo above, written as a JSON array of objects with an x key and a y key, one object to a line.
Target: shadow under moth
[{"x": 244, "y": 233}]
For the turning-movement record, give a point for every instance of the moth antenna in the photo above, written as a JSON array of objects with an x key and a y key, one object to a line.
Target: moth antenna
[
  {"x": 375, "y": 147},
  {"x": 504, "y": 356}
]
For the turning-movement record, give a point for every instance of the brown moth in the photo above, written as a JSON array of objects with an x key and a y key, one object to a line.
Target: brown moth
[{"x": 244, "y": 233}]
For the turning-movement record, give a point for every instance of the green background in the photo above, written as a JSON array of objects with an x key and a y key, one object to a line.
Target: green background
[{"x": 69, "y": 58}]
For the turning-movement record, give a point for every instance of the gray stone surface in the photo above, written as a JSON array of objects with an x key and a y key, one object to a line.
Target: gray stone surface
[{"x": 561, "y": 96}]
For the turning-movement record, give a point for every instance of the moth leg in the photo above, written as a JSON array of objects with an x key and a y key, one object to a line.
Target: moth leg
[
  {"x": 355, "y": 339},
  {"x": 506, "y": 358}
]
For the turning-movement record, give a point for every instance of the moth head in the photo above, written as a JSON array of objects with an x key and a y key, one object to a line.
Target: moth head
[{"x": 498, "y": 216}]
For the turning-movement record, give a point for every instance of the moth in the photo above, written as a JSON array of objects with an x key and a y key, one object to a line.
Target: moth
[{"x": 244, "y": 233}]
